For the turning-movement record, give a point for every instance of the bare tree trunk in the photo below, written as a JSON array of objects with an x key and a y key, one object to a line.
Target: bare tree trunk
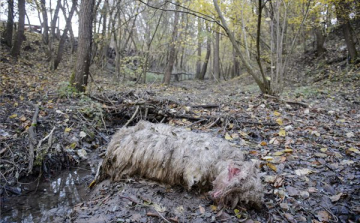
[
  {"x": 342, "y": 8},
  {"x": 145, "y": 68},
  {"x": 64, "y": 35},
  {"x": 247, "y": 65},
  {"x": 82, "y": 67},
  {"x": 45, "y": 24},
  {"x": 208, "y": 52},
  {"x": 15, "y": 51},
  {"x": 320, "y": 40},
  {"x": 10, "y": 23},
  {"x": 104, "y": 44},
  {"x": 52, "y": 35},
  {"x": 198, "y": 63},
  {"x": 172, "y": 50},
  {"x": 217, "y": 54}
]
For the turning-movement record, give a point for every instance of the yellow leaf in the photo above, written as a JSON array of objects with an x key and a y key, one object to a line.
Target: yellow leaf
[
  {"x": 67, "y": 129},
  {"x": 213, "y": 207},
  {"x": 282, "y": 132},
  {"x": 272, "y": 166},
  {"x": 22, "y": 98},
  {"x": 279, "y": 153},
  {"x": 267, "y": 158},
  {"x": 354, "y": 150},
  {"x": 323, "y": 150},
  {"x": 237, "y": 213},
  {"x": 23, "y": 118},
  {"x": 279, "y": 121},
  {"x": 288, "y": 150},
  {"x": 73, "y": 145},
  {"x": 228, "y": 137},
  {"x": 263, "y": 143},
  {"x": 16, "y": 104},
  {"x": 276, "y": 113},
  {"x": 13, "y": 116}
]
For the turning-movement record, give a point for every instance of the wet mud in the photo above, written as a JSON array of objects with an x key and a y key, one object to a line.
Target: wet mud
[{"x": 49, "y": 200}]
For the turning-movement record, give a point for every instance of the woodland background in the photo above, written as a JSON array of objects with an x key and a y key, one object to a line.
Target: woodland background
[{"x": 278, "y": 79}]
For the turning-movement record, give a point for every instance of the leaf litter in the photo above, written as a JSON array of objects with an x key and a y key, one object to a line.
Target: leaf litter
[{"x": 310, "y": 155}]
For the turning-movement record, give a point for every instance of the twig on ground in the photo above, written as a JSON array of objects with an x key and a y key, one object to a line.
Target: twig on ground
[
  {"x": 287, "y": 102},
  {"x": 32, "y": 135},
  {"x": 132, "y": 117},
  {"x": 49, "y": 137}
]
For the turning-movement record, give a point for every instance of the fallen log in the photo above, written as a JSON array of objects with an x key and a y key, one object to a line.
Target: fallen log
[{"x": 176, "y": 156}]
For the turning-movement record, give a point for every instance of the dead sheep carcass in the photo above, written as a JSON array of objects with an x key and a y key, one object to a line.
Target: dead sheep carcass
[{"x": 176, "y": 156}]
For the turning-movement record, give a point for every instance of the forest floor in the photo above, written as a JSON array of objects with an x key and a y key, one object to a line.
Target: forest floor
[{"x": 308, "y": 142}]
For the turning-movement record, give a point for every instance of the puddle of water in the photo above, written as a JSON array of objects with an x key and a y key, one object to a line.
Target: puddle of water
[{"x": 54, "y": 198}]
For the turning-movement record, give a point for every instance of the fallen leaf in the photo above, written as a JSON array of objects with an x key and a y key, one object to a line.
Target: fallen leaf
[
  {"x": 269, "y": 179},
  {"x": 228, "y": 137},
  {"x": 323, "y": 216},
  {"x": 336, "y": 197},
  {"x": 278, "y": 153},
  {"x": 237, "y": 213},
  {"x": 304, "y": 171},
  {"x": 202, "y": 209},
  {"x": 288, "y": 150},
  {"x": 276, "y": 113},
  {"x": 23, "y": 118},
  {"x": 268, "y": 158},
  {"x": 354, "y": 150},
  {"x": 213, "y": 207},
  {"x": 158, "y": 207},
  {"x": 350, "y": 134},
  {"x": 13, "y": 116},
  {"x": 82, "y": 134},
  {"x": 347, "y": 162},
  {"x": 282, "y": 132},
  {"x": 279, "y": 121},
  {"x": 284, "y": 206},
  {"x": 289, "y": 217},
  {"x": 323, "y": 150},
  {"x": 67, "y": 129},
  {"x": 312, "y": 190},
  {"x": 316, "y": 133},
  {"x": 292, "y": 191},
  {"x": 272, "y": 166},
  {"x": 235, "y": 136},
  {"x": 304, "y": 194},
  {"x": 263, "y": 143}
]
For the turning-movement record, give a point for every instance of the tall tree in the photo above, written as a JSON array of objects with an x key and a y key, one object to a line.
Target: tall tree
[
  {"x": 342, "y": 13},
  {"x": 45, "y": 24},
  {"x": 64, "y": 35},
  {"x": 199, "y": 43},
  {"x": 15, "y": 51},
  {"x": 82, "y": 67},
  {"x": 216, "y": 63},
  {"x": 172, "y": 49},
  {"x": 207, "y": 56},
  {"x": 10, "y": 23}
]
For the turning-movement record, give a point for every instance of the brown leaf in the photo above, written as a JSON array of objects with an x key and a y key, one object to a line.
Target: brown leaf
[
  {"x": 323, "y": 216},
  {"x": 336, "y": 197},
  {"x": 272, "y": 166},
  {"x": 289, "y": 217},
  {"x": 202, "y": 209}
]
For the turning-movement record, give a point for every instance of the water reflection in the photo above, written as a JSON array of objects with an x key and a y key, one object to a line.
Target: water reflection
[{"x": 52, "y": 199}]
